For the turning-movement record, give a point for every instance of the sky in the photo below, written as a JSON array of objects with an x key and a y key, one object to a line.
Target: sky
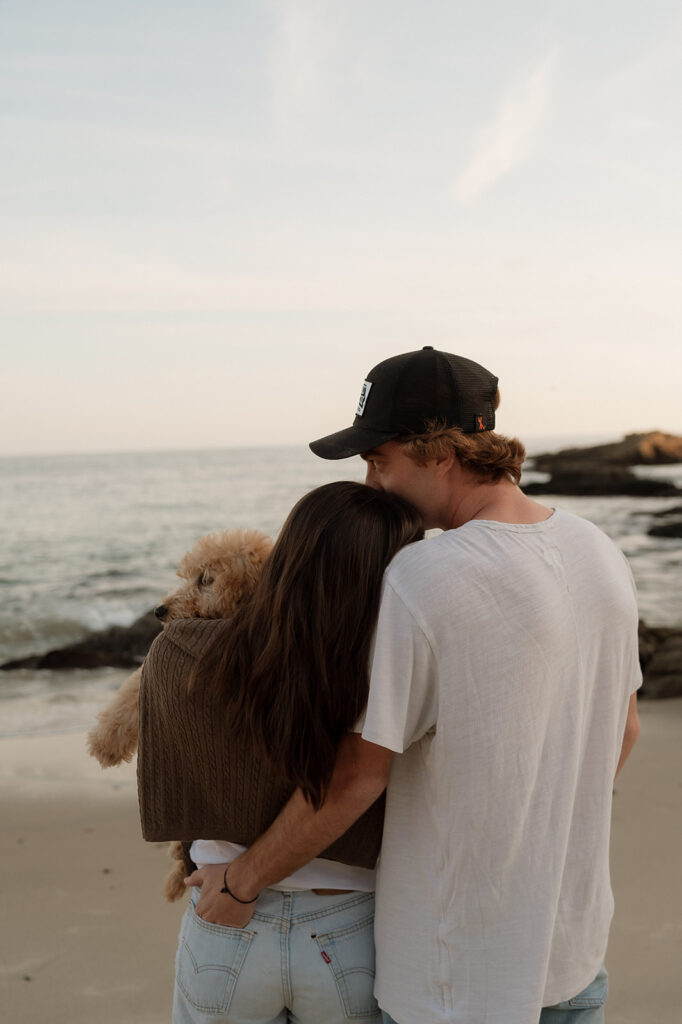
[{"x": 218, "y": 216}]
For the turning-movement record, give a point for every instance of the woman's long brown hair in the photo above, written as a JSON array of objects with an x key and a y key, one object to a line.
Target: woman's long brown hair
[{"x": 293, "y": 664}]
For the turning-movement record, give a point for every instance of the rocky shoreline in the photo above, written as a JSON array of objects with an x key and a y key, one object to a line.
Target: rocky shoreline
[
  {"x": 115, "y": 647},
  {"x": 599, "y": 470},
  {"x": 660, "y": 654}
]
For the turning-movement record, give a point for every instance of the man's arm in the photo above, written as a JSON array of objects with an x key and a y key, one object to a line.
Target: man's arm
[
  {"x": 632, "y": 730},
  {"x": 297, "y": 835}
]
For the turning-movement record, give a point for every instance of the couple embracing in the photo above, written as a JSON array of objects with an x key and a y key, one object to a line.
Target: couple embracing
[{"x": 485, "y": 680}]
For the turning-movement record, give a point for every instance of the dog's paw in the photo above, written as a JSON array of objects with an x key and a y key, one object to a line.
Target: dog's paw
[{"x": 101, "y": 747}]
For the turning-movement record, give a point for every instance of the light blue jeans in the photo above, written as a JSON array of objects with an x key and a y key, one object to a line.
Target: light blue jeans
[
  {"x": 585, "y": 1008},
  {"x": 304, "y": 959}
]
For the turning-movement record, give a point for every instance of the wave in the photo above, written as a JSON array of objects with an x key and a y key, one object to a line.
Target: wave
[
  {"x": 20, "y": 637},
  {"x": 89, "y": 542}
]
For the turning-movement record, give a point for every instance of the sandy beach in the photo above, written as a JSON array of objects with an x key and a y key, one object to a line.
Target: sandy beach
[{"x": 87, "y": 936}]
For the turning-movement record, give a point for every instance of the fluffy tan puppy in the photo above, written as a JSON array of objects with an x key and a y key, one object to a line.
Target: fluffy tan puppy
[{"x": 218, "y": 573}]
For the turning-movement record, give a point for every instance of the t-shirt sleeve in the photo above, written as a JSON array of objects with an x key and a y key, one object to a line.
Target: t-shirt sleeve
[{"x": 402, "y": 704}]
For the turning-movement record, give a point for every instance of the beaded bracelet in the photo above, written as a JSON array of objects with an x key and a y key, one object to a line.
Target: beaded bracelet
[{"x": 226, "y": 889}]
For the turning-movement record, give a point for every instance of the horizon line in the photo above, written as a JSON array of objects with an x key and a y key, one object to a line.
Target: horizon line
[{"x": 596, "y": 437}]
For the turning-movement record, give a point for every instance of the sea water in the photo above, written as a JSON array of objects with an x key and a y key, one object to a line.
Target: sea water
[{"x": 89, "y": 541}]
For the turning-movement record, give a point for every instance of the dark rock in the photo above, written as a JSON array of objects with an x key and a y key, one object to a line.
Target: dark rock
[
  {"x": 649, "y": 639},
  {"x": 116, "y": 647},
  {"x": 673, "y": 510},
  {"x": 603, "y": 468},
  {"x": 604, "y": 480},
  {"x": 673, "y": 529},
  {"x": 660, "y": 654},
  {"x": 651, "y": 449},
  {"x": 661, "y": 659}
]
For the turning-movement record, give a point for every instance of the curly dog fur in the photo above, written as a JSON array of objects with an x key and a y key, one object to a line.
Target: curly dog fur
[{"x": 217, "y": 574}]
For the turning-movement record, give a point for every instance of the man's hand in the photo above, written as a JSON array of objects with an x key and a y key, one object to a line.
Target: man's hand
[
  {"x": 215, "y": 906},
  {"x": 298, "y": 834}
]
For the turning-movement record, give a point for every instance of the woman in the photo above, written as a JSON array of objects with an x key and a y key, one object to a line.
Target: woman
[{"x": 272, "y": 693}]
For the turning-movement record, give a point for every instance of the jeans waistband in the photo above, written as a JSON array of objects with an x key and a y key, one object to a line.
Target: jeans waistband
[{"x": 305, "y": 905}]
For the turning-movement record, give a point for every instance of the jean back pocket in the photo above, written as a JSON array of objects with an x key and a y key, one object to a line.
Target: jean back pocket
[
  {"x": 208, "y": 962},
  {"x": 349, "y": 952}
]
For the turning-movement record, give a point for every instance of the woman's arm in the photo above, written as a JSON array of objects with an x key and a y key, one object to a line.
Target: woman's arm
[
  {"x": 632, "y": 730},
  {"x": 298, "y": 834}
]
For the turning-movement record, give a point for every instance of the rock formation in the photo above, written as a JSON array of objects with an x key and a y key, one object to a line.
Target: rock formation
[
  {"x": 652, "y": 449},
  {"x": 671, "y": 525},
  {"x": 602, "y": 481},
  {"x": 117, "y": 647},
  {"x": 604, "y": 468},
  {"x": 660, "y": 655}
]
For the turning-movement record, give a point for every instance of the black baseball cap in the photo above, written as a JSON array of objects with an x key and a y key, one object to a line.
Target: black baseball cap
[{"x": 402, "y": 394}]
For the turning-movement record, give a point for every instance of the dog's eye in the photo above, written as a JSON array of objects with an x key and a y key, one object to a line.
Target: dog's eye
[{"x": 205, "y": 580}]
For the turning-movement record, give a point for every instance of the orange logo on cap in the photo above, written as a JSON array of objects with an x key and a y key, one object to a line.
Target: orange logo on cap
[{"x": 480, "y": 425}]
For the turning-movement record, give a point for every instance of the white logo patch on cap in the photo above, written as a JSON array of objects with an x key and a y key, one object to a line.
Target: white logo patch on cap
[{"x": 366, "y": 388}]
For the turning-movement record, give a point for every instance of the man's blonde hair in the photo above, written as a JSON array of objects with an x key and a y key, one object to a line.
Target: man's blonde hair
[{"x": 489, "y": 456}]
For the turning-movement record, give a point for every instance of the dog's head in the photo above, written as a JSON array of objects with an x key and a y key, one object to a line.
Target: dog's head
[{"x": 217, "y": 574}]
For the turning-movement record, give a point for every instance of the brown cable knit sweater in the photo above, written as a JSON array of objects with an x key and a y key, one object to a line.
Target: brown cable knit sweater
[{"x": 195, "y": 784}]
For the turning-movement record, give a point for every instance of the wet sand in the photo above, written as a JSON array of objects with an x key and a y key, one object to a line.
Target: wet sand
[{"x": 87, "y": 935}]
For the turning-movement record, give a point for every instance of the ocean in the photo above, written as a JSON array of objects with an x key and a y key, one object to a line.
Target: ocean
[{"x": 88, "y": 541}]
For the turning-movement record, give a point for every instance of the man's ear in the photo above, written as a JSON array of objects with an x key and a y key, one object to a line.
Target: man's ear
[{"x": 444, "y": 464}]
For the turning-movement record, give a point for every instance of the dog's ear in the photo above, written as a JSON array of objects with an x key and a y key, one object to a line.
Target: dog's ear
[
  {"x": 252, "y": 556},
  {"x": 242, "y": 569},
  {"x": 242, "y": 576},
  {"x": 186, "y": 566}
]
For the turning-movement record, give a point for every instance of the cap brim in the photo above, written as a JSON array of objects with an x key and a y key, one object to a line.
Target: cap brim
[{"x": 349, "y": 442}]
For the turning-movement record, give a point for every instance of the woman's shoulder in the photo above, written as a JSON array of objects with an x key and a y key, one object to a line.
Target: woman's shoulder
[{"x": 184, "y": 638}]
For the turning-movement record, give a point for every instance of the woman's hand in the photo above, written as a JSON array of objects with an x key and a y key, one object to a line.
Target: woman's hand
[{"x": 215, "y": 906}]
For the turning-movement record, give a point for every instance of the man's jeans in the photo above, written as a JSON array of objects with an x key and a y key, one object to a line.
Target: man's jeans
[{"x": 585, "y": 1008}]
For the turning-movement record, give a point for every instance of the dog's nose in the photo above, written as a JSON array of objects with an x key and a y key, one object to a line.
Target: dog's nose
[{"x": 161, "y": 612}]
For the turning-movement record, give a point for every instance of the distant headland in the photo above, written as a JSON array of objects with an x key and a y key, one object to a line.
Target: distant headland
[{"x": 605, "y": 469}]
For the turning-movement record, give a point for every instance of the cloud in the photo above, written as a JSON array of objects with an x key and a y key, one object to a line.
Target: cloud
[
  {"x": 301, "y": 52},
  {"x": 513, "y": 136},
  {"x": 658, "y": 58}
]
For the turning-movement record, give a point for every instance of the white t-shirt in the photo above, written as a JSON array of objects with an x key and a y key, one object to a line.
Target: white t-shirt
[
  {"x": 503, "y": 664},
  {"x": 318, "y": 873}
]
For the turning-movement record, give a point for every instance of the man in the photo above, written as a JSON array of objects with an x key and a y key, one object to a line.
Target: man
[{"x": 502, "y": 703}]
